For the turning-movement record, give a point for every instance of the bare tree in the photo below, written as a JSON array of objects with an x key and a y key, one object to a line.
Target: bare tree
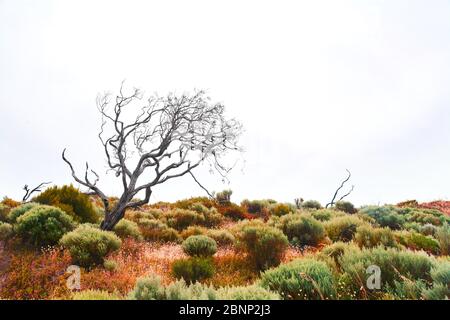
[
  {"x": 165, "y": 138},
  {"x": 333, "y": 201},
  {"x": 29, "y": 192}
]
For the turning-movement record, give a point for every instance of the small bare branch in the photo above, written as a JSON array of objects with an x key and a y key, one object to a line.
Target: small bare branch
[
  {"x": 332, "y": 202},
  {"x": 29, "y": 192}
]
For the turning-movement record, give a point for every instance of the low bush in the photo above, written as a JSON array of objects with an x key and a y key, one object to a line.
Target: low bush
[
  {"x": 155, "y": 230},
  {"x": 4, "y": 211},
  {"x": 152, "y": 288},
  {"x": 193, "y": 231},
  {"x": 128, "y": 229},
  {"x": 345, "y": 206},
  {"x": 428, "y": 229},
  {"x": 265, "y": 245},
  {"x": 440, "y": 289},
  {"x": 94, "y": 295},
  {"x": 89, "y": 246},
  {"x": 193, "y": 269},
  {"x": 302, "y": 279},
  {"x": 199, "y": 246},
  {"x": 70, "y": 200},
  {"x": 302, "y": 230},
  {"x": 281, "y": 209},
  {"x": 224, "y": 197},
  {"x": 20, "y": 210},
  {"x": 180, "y": 219},
  {"x": 6, "y": 231},
  {"x": 443, "y": 236},
  {"x": 387, "y": 216},
  {"x": 343, "y": 228},
  {"x": 395, "y": 265},
  {"x": 233, "y": 211},
  {"x": 222, "y": 237},
  {"x": 311, "y": 204},
  {"x": 255, "y": 207},
  {"x": 110, "y": 265},
  {"x": 369, "y": 237},
  {"x": 43, "y": 225},
  {"x": 323, "y": 214},
  {"x": 418, "y": 241},
  {"x": 252, "y": 292}
]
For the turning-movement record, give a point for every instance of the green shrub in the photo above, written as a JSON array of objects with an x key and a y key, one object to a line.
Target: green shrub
[
  {"x": 418, "y": 241},
  {"x": 94, "y": 295},
  {"x": 193, "y": 269},
  {"x": 222, "y": 237},
  {"x": 302, "y": 230},
  {"x": 6, "y": 231},
  {"x": 44, "y": 225},
  {"x": 151, "y": 288},
  {"x": 110, "y": 265},
  {"x": 302, "y": 279},
  {"x": 4, "y": 211},
  {"x": 224, "y": 197},
  {"x": 323, "y": 214},
  {"x": 89, "y": 246},
  {"x": 335, "y": 251},
  {"x": 441, "y": 282},
  {"x": 19, "y": 211},
  {"x": 439, "y": 291},
  {"x": 443, "y": 236},
  {"x": 180, "y": 219},
  {"x": 311, "y": 204},
  {"x": 395, "y": 265},
  {"x": 128, "y": 229},
  {"x": 345, "y": 206},
  {"x": 343, "y": 228},
  {"x": 428, "y": 229},
  {"x": 265, "y": 245},
  {"x": 212, "y": 218},
  {"x": 70, "y": 200},
  {"x": 386, "y": 216},
  {"x": 199, "y": 246},
  {"x": 369, "y": 237},
  {"x": 253, "y": 292}
]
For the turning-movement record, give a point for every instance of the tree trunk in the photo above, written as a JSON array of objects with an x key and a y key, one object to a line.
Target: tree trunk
[{"x": 112, "y": 218}]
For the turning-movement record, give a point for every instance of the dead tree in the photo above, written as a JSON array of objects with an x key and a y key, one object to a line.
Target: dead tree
[
  {"x": 165, "y": 138},
  {"x": 29, "y": 192},
  {"x": 333, "y": 201}
]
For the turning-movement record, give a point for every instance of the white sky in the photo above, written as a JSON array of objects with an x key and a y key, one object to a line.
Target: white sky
[{"x": 320, "y": 86}]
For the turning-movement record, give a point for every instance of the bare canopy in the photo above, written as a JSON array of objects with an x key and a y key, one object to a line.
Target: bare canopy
[{"x": 165, "y": 138}]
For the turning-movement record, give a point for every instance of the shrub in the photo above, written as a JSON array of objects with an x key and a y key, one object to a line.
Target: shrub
[
  {"x": 264, "y": 244},
  {"x": 193, "y": 231},
  {"x": 128, "y": 229},
  {"x": 418, "y": 241},
  {"x": 323, "y": 214},
  {"x": 6, "y": 231},
  {"x": 199, "y": 246},
  {"x": 335, "y": 251},
  {"x": 212, "y": 218},
  {"x": 302, "y": 230},
  {"x": 443, "y": 236},
  {"x": 155, "y": 230},
  {"x": 20, "y": 210},
  {"x": 222, "y": 237},
  {"x": 88, "y": 246},
  {"x": 302, "y": 279},
  {"x": 180, "y": 219},
  {"x": 395, "y": 265},
  {"x": 441, "y": 280},
  {"x": 343, "y": 228},
  {"x": 70, "y": 200},
  {"x": 345, "y": 206},
  {"x": 4, "y": 211},
  {"x": 311, "y": 204},
  {"x": 386, "y": 216},
  {"x": 233, "y": 211},
  {"x": 253, "y": 292},
  {"x": 151, "y": 288},
  {"x": 428, "y": 229},
  {"x": 255, "y": 207},
  {"x": 44, "y": 225},
  {"x": 110, "y": 265},
  {"x": 280, "y": 209},
  {"x": 193, "y": 269},
  {"x": 369, "y": 237},
  {"x": 94, "y": 295},
  {"x": 224, "y": 197},
  {"x": 10, "y": 202}
]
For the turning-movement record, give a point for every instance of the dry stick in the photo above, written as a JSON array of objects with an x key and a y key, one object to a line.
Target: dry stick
[
  {"x": 338, "y": 189},
  {"x": 29, "y": 192}
]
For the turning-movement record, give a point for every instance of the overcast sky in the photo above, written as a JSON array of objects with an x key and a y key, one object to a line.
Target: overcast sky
[{"x": 319, "y": 86}]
